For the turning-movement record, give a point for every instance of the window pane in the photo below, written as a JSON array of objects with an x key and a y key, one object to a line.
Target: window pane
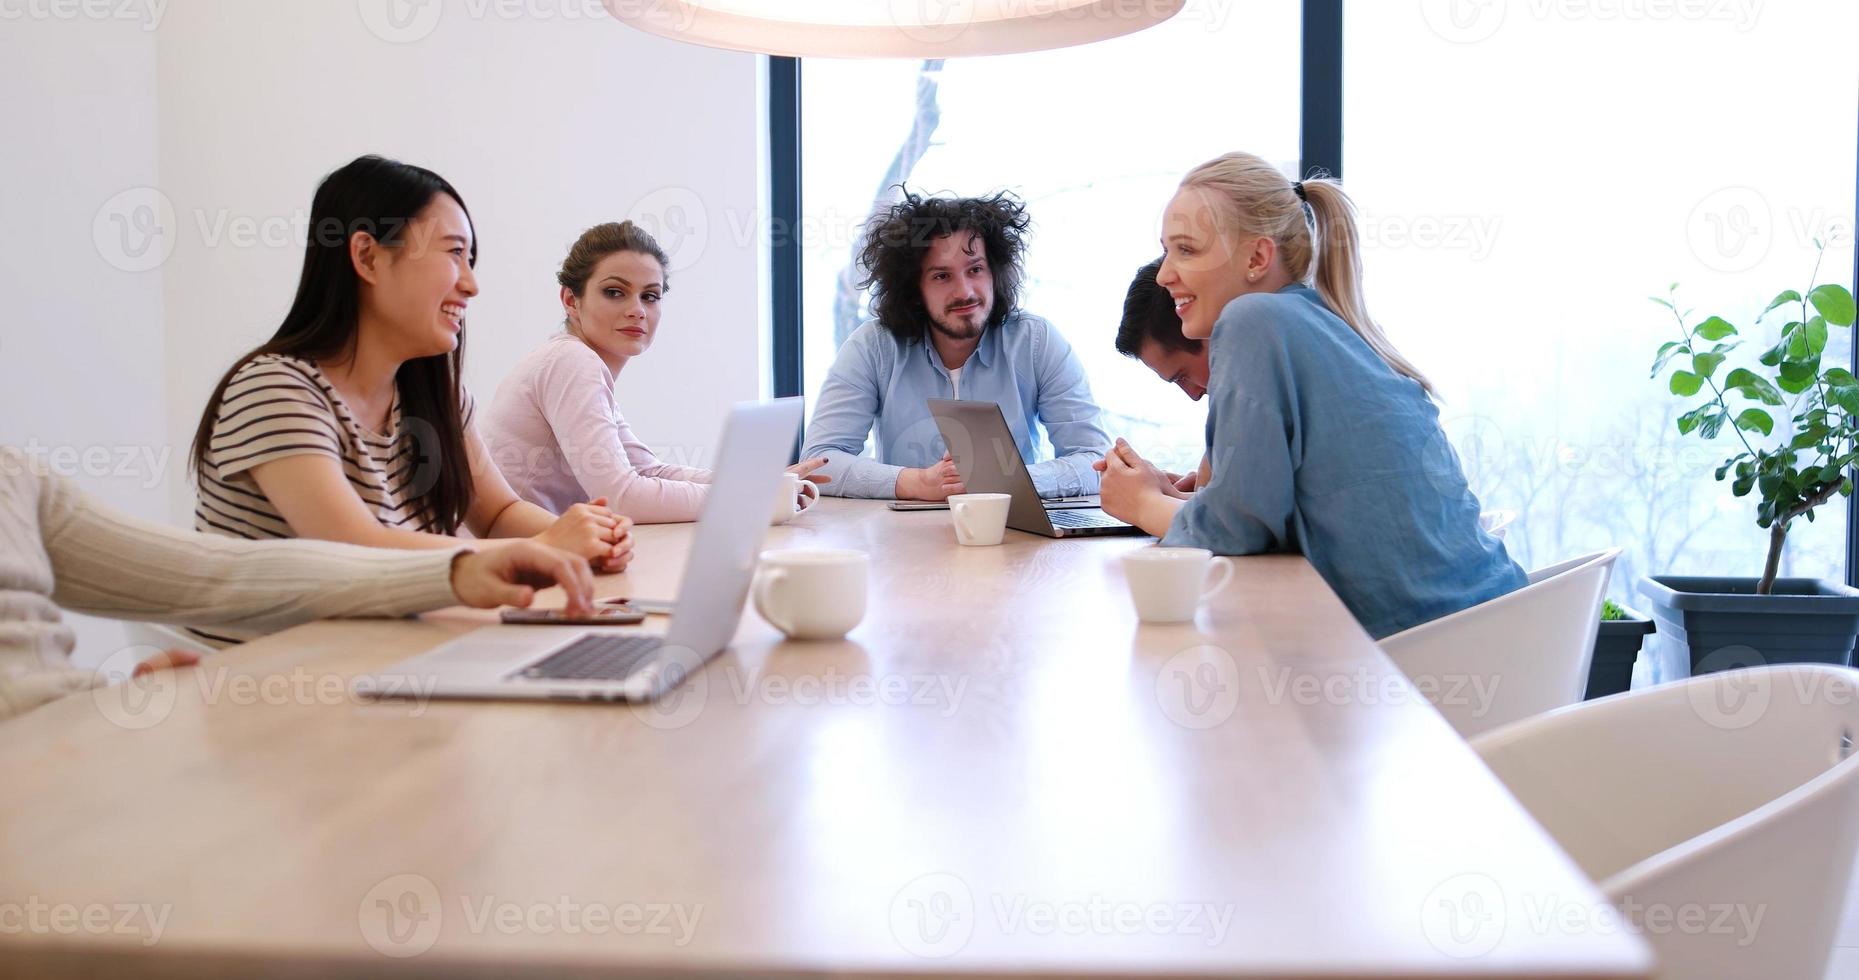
[
  {"x": 1094, "y": 139},
  {"x": 1529, "y": 174}
]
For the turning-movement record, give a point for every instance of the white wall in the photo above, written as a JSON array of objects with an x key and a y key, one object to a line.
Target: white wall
[
  {"x": 81, "y": 338},
  {"x": 548, "y": 117},
  {"x": 546, "y": 123}
]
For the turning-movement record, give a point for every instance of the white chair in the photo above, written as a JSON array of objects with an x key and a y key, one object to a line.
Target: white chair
[
  {"x": 1733, "y": 792},
  {"x": 1497, "y": 522},
  {"x": 1518, "y": 655}
]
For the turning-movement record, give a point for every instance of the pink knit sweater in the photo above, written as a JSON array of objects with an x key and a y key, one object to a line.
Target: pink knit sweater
[{"x": 557, "y": 435}]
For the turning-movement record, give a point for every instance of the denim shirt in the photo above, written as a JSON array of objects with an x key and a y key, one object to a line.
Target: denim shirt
[
  {"x": 1024, "y": 366},
  {"x": 1319, "y": 447}
]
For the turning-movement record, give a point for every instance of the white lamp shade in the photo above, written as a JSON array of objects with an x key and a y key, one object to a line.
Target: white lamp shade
[{"x": 891, "y": 28}]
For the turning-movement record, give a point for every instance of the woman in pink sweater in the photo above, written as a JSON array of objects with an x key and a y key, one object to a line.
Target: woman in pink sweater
[{"x": 554, "y": 428}]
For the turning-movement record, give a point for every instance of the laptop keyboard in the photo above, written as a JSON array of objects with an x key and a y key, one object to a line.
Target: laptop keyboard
[
  {"x": 1082, "y": 518},
  {"x": 593, "y": 658}
]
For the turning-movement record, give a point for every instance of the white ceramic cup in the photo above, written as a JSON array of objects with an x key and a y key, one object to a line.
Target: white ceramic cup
[
  {"x": 812, "y": 593},
  {"x": 796, "y": 496},
  {"x": 979, "y": 518},
  {"x": 1169, "y": 584}
]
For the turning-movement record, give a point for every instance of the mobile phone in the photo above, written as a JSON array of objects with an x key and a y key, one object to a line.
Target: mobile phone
[
  {"x": 662, "y": 607},
  {"x": 607, "y": 616}
]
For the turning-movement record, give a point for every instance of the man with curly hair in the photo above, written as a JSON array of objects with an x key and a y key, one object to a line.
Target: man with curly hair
[{"x": 945, "y": 276}]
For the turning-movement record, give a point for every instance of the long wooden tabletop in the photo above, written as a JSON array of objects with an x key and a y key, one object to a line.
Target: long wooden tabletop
[{"x": 999, "y": 773}]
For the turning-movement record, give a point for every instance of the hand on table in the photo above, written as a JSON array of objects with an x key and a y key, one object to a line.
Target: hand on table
[
  {"x": 938, "y": 482},
  {"x": 510, "y": 575},
  {"x": 1134, "y": 490},
  {"x": 595, "y": 533}
]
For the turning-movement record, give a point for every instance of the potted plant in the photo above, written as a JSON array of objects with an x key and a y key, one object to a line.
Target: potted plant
[
  {"x": 1797, "y": 424},
  {"x": 1616, "y": 648}
]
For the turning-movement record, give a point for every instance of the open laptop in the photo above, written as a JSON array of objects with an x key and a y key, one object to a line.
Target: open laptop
[
  {"x": 989, "y": 462},
  {"x": 625, "y": 663}
]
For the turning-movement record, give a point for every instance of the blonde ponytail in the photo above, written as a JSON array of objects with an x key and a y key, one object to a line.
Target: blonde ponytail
[{"x": 1324, "y": 252}]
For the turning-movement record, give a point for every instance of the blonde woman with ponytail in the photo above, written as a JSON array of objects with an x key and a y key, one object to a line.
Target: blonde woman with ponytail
[{"x": 1323, "y": 439}]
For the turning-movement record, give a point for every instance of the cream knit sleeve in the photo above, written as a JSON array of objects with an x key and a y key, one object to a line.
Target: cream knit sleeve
[{"x": 107, "y": 563}]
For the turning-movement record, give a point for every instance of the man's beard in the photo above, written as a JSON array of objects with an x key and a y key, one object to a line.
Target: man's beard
[{"x": 959, "y": 330}]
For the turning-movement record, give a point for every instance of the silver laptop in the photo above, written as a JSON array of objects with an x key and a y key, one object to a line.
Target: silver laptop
[
  {"x": 989, "y": 462},
  {"x": 625, "y": 663}
]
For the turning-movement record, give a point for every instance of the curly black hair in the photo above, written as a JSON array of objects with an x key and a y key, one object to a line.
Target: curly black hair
[
  {"x": 1149, "y": 314},
  {"x": 896, "y": 241}
]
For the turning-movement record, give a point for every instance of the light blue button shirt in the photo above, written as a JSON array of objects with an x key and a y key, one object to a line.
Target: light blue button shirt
[
  {"x": 1023, "y": 365},
  {"x": 1319, "y": 447}
]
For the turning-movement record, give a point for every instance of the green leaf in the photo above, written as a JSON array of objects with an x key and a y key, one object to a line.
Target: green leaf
[
  {"x": 1796, "y": 377},
  {"x": 1785, "y": 296},
  {"x": 1705, "y": 365},
  {"x": 1661, "y": 301},
  {"x": 1667, "y": 351},
  {"x": 1712, "y": 424},
  {"x": 1686, "y": 384},
  {"x": 1833, "y": 302},
  {"x": 1772, "y": 356},
  {"x": 1742, "y": 485},
  {"x": 1808, "y": 438},
  {"x": 1754, "y": 420},
  {"x": 1715, "y": 328},
  {"x": 1751, "y": 384},
  {"x": 1842, "y": 389},
  {"x": 1797, "y": 346},
  {"x": 1846, "y": 488},
  {"x": 1816, "y": 335}
]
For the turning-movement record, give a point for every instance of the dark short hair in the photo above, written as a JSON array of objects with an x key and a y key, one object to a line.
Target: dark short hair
[
  {"x": 897, "y": 240},
  {"x": 1149, "y": 313}
]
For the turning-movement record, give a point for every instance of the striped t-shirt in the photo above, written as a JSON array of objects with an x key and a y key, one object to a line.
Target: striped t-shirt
[{"x": 276, "y": 407}]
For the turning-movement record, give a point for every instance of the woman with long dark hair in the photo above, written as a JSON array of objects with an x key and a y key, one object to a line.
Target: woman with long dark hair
[{"x": 350, "y": 424}]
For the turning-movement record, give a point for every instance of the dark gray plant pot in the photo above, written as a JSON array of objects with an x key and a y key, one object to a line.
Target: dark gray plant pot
[
  {"x": 1709, "y": 623},
  {"x": 1615, "y": 649}
]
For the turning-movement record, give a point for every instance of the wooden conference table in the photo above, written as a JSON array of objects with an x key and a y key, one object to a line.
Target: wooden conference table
[{"x": 999, "y": 773}]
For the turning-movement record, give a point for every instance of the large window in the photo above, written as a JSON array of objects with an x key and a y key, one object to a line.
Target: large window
[
  {"x": 1529, "y": 173},
  {"x": 1093, "y": 138}
]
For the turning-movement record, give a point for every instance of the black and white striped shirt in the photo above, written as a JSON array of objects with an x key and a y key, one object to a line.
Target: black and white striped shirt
[{"x": 276, "y": 407}]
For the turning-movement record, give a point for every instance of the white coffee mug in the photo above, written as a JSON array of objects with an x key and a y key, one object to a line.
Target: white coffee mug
[
  {"x": 794, "y": 497},
  {"x": 812, "y": 593},
  {"x": 1169, "y": 584},
  {"x": 979, "y": 518}
]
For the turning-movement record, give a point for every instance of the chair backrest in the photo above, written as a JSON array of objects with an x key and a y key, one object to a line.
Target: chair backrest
[
  {"x": 1518, "y": 655},
  {"x": 1720, "y": 814},
  {"x": 1497, "y": 522}
]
